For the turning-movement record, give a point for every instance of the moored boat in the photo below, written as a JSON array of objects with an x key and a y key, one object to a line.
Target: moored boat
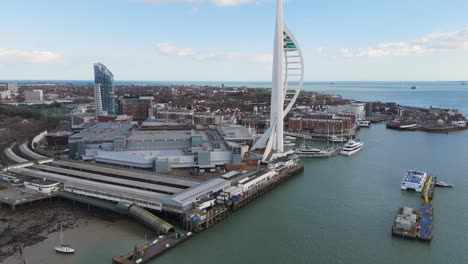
[
  {"x": 443, "y": 184},
  {"x": 63, "y": 248},
  {"x": 307, "y": 152},
  {"x": 414, "y": 180},
  {"x": 351, "y": 147}
]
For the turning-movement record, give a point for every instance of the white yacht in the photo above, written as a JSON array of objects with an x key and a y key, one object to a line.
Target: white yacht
[
  {"x": 315, "y": 152},
  {"x": 351, "y": 147},
  {"x": 414, "y": 180},
  {"x": 62, "y": 248}
]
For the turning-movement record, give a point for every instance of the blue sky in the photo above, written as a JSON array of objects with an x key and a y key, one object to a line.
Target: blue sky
[{"x": 231, "y": 40}]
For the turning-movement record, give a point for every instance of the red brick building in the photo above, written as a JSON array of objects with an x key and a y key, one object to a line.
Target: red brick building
[{"x": 138, "y": 108}]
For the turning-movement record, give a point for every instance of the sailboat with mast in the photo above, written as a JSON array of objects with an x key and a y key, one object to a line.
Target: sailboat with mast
[
  {"x": 336, "y": 138},
  {"x": 63, "y": 248}
]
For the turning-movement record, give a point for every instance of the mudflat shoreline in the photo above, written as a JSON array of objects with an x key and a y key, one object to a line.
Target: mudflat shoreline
[{"x": 37, "y": 222}]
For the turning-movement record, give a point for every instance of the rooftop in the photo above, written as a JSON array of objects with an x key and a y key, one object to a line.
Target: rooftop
[
  {"x": 235, "y": 132},
  {"x": 103, "y": 132},
  {"x": 164, "y": 135},
  {"x": 192, "y": 193}
]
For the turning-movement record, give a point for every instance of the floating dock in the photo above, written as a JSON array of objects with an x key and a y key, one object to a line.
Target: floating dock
[
  {"x": 417, "y": 224},
  {"x": 425, "y": 221},
  {"x": 149, "y": 250}
]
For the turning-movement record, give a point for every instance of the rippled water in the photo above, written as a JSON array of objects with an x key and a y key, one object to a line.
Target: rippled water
[{"x": 341, "y": 210}]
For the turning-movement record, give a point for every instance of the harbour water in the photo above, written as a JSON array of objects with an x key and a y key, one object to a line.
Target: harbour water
[{"x": 339, "y": 210}]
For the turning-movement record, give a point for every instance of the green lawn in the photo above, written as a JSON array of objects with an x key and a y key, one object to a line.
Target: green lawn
[{"x": 54, "y": 112}]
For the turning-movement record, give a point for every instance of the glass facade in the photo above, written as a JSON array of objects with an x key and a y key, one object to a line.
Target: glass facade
[{"x": 105, "y": 78}]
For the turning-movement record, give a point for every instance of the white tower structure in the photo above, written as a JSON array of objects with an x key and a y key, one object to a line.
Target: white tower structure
[
  {"x": 287, "y": 81},
  {"x": 97, "y": 99}
]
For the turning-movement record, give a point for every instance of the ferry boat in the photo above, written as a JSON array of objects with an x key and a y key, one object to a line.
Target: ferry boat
[
  {"x": 414, "y": 180},
  {"x": 364, "y": 123},
  {"x": 337, "y": 139},
  {"x": 351, "y": 147}
]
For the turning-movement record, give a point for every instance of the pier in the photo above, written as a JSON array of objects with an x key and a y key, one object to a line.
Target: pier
[
  {"x": 417, "y": 224},
  {"x": 14, "y": 197},
  {"x": 203, "y": 221}
]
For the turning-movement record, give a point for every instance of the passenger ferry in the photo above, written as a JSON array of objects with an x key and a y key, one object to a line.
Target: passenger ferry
[
  {"x": 414, "y": 180},
  {"x": 351, "y": 147}
]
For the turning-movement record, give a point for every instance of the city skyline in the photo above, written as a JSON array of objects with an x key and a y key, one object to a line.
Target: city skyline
[{"x": 361, "y": 41}]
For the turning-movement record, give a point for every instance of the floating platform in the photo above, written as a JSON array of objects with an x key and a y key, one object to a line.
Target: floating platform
[
  {"x": 150, "y": 250},
  {"x": 417, "y": 224}
]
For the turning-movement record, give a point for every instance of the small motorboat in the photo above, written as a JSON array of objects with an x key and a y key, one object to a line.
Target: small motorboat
[{"x": 443, "y": 184}]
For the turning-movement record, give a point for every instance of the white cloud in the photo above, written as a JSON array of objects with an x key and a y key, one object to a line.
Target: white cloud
[
  {"x": 433, "y": 42},
  {"x": 220, "y": 3},
  {"x": 171, "y": 50},
  {"x": 36, "y": 56}
]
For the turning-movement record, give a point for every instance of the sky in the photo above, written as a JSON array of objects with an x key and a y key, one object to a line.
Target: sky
[{"x": 232, "y": 40}]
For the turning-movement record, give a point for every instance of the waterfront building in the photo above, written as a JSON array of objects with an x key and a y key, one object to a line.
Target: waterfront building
[
  {"x": 33, "y": 96},
  {"x": 105, "y": 79},
  {"x": 287, "y": 81},
  {"x": 322, "y": 123},
  {"x": 138, "y": 108}
]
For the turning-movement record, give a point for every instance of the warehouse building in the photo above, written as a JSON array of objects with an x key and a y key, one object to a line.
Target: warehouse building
[{"x": 161, "y": 150}]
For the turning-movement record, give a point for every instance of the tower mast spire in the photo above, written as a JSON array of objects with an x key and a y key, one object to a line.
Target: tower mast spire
[{"x": 277, "y": 93}]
